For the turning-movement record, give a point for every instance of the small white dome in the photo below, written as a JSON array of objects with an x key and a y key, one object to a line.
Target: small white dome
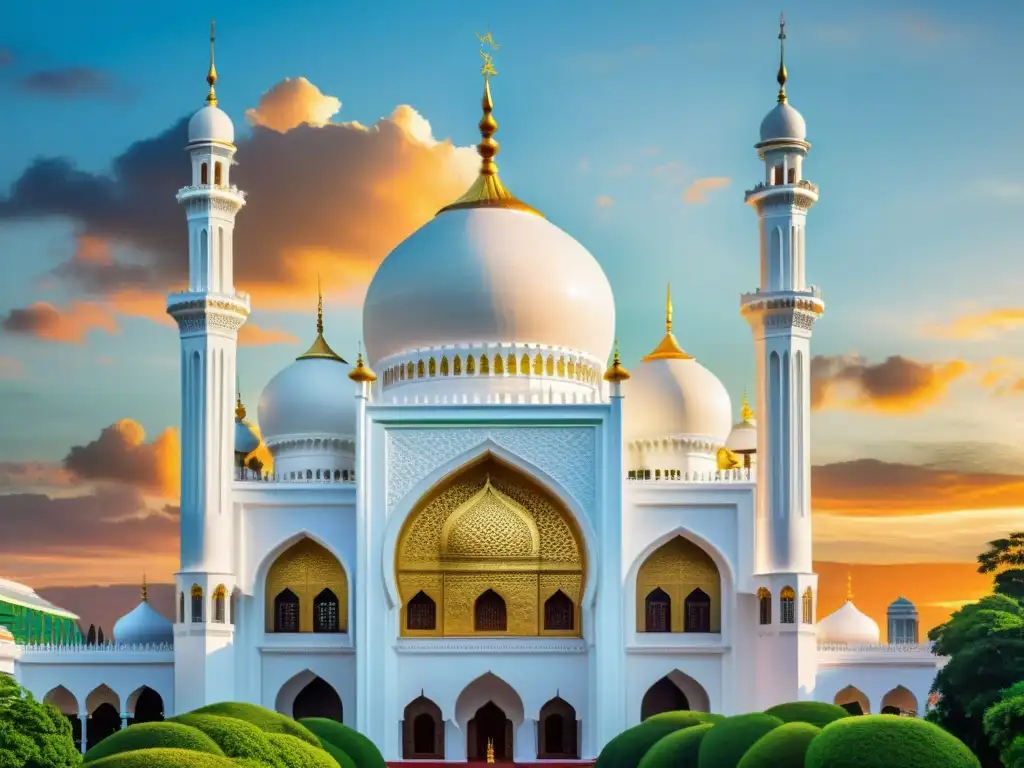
[
  {"x": 488, "y": 275},
  {"x": 848, "y": 626},
  {"x": 211, "y": 123},
  {"x": 312, "y": 397},
  {"x": 743, "y": 437},
  {"x": 783, "y": 122},
  {"x": 246, "y": 439},
  {"x": 143, "y": 626}
]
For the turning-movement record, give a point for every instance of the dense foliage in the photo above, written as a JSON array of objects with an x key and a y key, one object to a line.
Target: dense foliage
[
  {"x": 813, "y": 712},
  {"x": 680, "y": 749},
  {"x": 296, "y": 753},
  {"x": 265, "y": 719},
  {"x": 351, "y": 742},
  {"x": 151, "y": 736},
  {"x": 33, "y": 734},
  {"x": 236, "y": 738},
  {"x": 1004, "y": 726},
  {"x": 728, "y": 741},
  {"x": 163, "y": 757},
  {"x": 887, "y": 741},
  {"x": 628, "y": 748},
  {"x": 784, "y": 747}
]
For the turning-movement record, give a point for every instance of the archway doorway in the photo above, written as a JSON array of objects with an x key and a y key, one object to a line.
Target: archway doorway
[
  {"x": 317, "y": 699},
  {"x": 899, "y": 701},
  {"x": 422, "y": 731},
  {"x": 65, "y": 701},
  {"x": 663, "y": 696},
  {"x": 558, "y": 730},
  {"x": 853, "y": 700},
  {"x": 103, "y": 721},
  {"x": 489, "y": 726},
  {"x": 148, "y": 707}
]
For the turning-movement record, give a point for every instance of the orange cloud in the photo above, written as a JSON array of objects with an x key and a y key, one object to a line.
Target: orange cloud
[
  {"x": 121, "y": 454},
  {"x": 697, "y": 192},
  {"x": 981, "y": 325},
  {"x": 252, "y": 335},
  {"x": 1004, "y": 376},
  {"x": 291, "y": 103},
  {"x": 897, "y": 385},
  {"x": 67, "y": 326}
]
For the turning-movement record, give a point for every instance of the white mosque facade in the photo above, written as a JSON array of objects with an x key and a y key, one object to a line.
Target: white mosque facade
[{"x": 483, "y": 531}]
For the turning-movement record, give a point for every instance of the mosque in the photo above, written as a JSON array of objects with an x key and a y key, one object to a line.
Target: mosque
[{"x": 482, "y": 531}]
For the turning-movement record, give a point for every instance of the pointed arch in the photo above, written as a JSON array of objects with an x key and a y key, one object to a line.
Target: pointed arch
[
  {"x": 764, "y": 606},
  {"x": 899, "y": 701},
  {"x": 421, "y": 613},
  {"x": 558, "y": 735},
  {"x": 490, "y": 613},
  {"x": 144, "y": 705},
  {"x": 697, "y": 611},
  {"x": 559, "y": 613},
  {"x": 808, "y": 606},
  {"x": 304, "y": 565},
  {"x": 787, "y": 605},
  {"x": 677, "y": 568},
  {"x": 306, "y": 694},
  {"x": 488, "y": 688},
  {"x": 675, "y": 691},
  {"x": 220, "y": 595},
  {"x": 63, "y": 700},
  {"x": 853, "y": 700},
  {"x": 422, "y": 730},
  {"x": 657, "y": 611},
  {"x": 197, "y": 604}
]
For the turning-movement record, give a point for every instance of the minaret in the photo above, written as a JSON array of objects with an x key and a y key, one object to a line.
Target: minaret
[
  {"x": 209, "y": 314},
  {"x": 781, "y": 314}
]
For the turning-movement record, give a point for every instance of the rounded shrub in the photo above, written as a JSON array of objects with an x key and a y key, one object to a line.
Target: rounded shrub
[
  {"x": 628, "y": 748},
  {"x": 726, "y": 743},
  {"x": 350, "y": 741},
  {"x": 267, "y": 720},
  {"x": 236, "y": 738},
  {"x": 884, "y": 741},
  {"x": 153, "y": 735},
  {"x": 680, "y": 749},
  {"x": 783, "y": 747},
  {"x": 340, "y": 756},
  {"x": 814, "y": 712},
  {"x": 296, "y": 753},
  {"x": 163, "y": 757}
]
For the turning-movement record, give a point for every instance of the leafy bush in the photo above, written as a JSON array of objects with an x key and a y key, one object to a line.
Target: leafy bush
[
  {"x": 33, "y": 733},
  {"x": 236, "y": 738},
  {"x": 293, "y": 752},
  {"x": 887, "y": 741},
  {"x": 784, "y": 747},
  {"x": 814, "y": 712},
  {"x": 679, "y": 749},
  {"x": 266, "y": 720},
  {"x": 163, "y": 757},
  {"x": 150, "y": 736},
  {"x": 1013, "y": 755},
  {"x": 725, "y": 744},
  {"x": 628, "y": 748},
  {"x": 350, "y": 741},
  {"x": 1004, "y": 720},
  {"x": 340, "y": 756}
]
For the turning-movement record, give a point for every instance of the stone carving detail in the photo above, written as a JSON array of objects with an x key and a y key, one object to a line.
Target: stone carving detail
[
  {"x": 802, "y": 320},
  {"x": 568, "y": 454}
]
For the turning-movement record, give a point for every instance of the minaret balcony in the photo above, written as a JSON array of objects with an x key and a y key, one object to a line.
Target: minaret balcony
[
  {"x": 801, "y": 193},
  {"x": 192, "y": 302},
  {"x": 220, "y": 192}
]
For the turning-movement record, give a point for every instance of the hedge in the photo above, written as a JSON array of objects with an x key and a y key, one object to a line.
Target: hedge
[
  {"x": 784, "y": 747},
  {"x": 293, "y": 752},
  {"x": 152, "y": 735},
  {"x": 628, "y": 748},
  {"x": 887, "y": 741},
  {"x": 236, "y": 738},
  {"x": 677, "y": 750},
  {"x": 726, "y": 743},
  {"x": 814, "y": 712},
  {"x": 360, "y": 749},
  {"x": 266, "y": 720},
  {"x": 163, "y": 758}
]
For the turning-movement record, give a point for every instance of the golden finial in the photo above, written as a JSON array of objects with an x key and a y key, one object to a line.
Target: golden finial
[
  {"x": 488, "y": 191},
  {"x": 211, "y": 76},
  {"x": 320, "y": 348},
  {"x": 783, "y": 75},
  {"x": 239, "y": 408},
  {"x": 361, "y": 372},
  {"x": 616, "y": 371},
  {"x": 745, "y": 413},
  {"x": 145, "y": 589},
  {"x": 668, "y": 348},
  {"x": 849, "y": 587},
  {"x": 727, "y": 459},
  {"x": 490, "y": 750}
]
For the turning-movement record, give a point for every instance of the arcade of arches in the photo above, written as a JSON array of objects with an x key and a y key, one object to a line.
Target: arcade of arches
[
  {"x": 306, "y": 591},
  {"x": 489, "y": 551},
  {"x": 678, "y": 589},
  {"x": 102, "y": 715},
  {"x": 898, "y": 701}
]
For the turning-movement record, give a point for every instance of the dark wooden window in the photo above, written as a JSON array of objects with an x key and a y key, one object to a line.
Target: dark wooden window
[
  {"x": 787, "y": 606},
  {"x": 658, "y": 611},
  {"x": 697, "y": 616},
  {"x": 286, "y": 612},
  {"x": 764, "y": 602},
  {"x": 489, "y": 613},
  {"x": 197, "y": 604},
  {"x": 325, "y": 612},
  {"x": 558, "y": 612},
  {"x": 421, "y": 612}
]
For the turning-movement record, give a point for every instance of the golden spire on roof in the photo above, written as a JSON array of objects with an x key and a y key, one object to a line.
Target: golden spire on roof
[
  {"x": 320, "y": 348},
  {"x": 668, "y": 348},
  {"x": 145, "y": 589},
  {"x": 616, "y": 371},
  {"x": 488, "y": 191},
  {"x": 361, "y": 372},
  {"x": 211, "y": 75},
  {"x": 239, "y": 408},
  {"x": 849, "y": 587},
  {"x": 783, "y": 74},
  {"x": 745, "y": 413}
]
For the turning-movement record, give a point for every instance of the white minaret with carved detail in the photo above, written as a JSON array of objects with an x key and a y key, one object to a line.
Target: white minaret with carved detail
[
  {"x": 781, "y": 314},
  {"x": 209, "y": 314}
]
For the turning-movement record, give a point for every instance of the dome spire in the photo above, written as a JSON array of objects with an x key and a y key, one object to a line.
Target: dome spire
[
  {"x": 783, "y": 75},
  {"x": 668, "y": 348},
  {"x": 616, "y": 371},
  {"x": 239, "y": 408},
  {"x": 488, "y": 191},
  {"x": 211, "y": 75},
  {"x": 320, "y": 348},
  {"x": 745, "y": 413},
  {"x": 849, "y": 587},
  {"x": 362, "y": 372},
  {"x": 145, "y": 589}
]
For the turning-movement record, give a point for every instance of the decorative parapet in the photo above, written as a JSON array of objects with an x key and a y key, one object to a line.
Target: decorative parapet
[
  {"x": 916, "y": 654},
  {"x": 671, "y": 476},
  {"x": 108, "y": 648}
]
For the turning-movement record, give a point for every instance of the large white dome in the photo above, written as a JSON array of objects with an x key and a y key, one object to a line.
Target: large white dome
[
  {"x": 489, "y": 275},
  {"x": 143, "y": 626},
  {"x": 848, "y": 626},
  {"x": 311, "y": 397}
]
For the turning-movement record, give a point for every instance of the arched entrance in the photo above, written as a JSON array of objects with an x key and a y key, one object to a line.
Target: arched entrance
[
  {"x": 489, "y": 708},
  {"x": 853, "y": 700},
  {"x": 306, "y": 590},
  {"x": 899, "y": 701},
  {"x": 422, "y": 731},
  {"x": 678, "y": 589},
  {"x": 558, "y": 731},
  {"x": 489, "y": 727},
  {"x": 145, "y": 706},
  {"x": 104, "y": 708},
  {"x": 675, "y": 691},
  {"x": 317, "y": 699},
  {"x": 66, "y": 702}
]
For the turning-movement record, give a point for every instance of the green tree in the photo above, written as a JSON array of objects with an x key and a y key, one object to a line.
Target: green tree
[
  {"x": 33, "y": 734},
  {"x": 985, "y": 645},
  {"x": 1004, "y": 725},
  {"x": 1005, "y": 558}
]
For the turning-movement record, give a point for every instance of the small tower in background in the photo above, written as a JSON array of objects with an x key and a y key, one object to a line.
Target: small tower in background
[{"x": 902, "y": 622}]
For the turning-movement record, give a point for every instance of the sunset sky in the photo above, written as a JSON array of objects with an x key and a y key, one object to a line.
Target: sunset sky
[{"x": 631, "y": 126}]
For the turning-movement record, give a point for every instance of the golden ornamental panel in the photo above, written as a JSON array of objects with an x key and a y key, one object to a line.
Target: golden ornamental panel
[
  {"x": 679, "y": 567},
  {"x": 518, "y": 590},
  {"x": 307, "y": 568}
]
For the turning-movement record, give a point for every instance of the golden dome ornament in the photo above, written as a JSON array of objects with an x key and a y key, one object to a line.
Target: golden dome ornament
[{"x": 616, "y": 371}]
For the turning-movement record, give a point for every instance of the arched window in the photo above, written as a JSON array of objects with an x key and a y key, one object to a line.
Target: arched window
[
  {"x": 422, "y": 731},
  {"x": 470, "y": 365},
  {"x": 511, "y": 363},
  {"x": 432, "y": 367},
  {"x": 337, "y": 475},
  {"x": 421, "y": 613},
  {"x": 286, "y": 612},
  {"x": 550, "y": 366},
  {"x": 457, "y": 366},
  {"x": 489, "y": 613},
  {"x": 558, "y": 610},
  {"x": 697, "y": 612},
  {"x": 808, "y": 606},
  {"x": 538, "y": 365},
  {"x": 181, "y": 607},
  {"x": 499, "y": 365},
  {"x": 217, "y": 179},
  {"x": 309, "y": 474},
  {"x": 558, "y": 736},
  {"x": 420, "y": 370},
  {"x": 658, "y": 611},
  {"x": 444, "y": 366},
  {"x": 561, "y": 367},
  {"x": 204, "y": 175},
  {"x": 764, "y": 605},
  {"x": 197, "y": 604},
  {"x": 219, "y": 599},
  {"x": 485, "y": 365},
  {"x": 325, "y": 612},
  {"x": 777, "y": 174},
  {"x": 524, "y": 365},
  {"x": 787, "y": 606}
]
